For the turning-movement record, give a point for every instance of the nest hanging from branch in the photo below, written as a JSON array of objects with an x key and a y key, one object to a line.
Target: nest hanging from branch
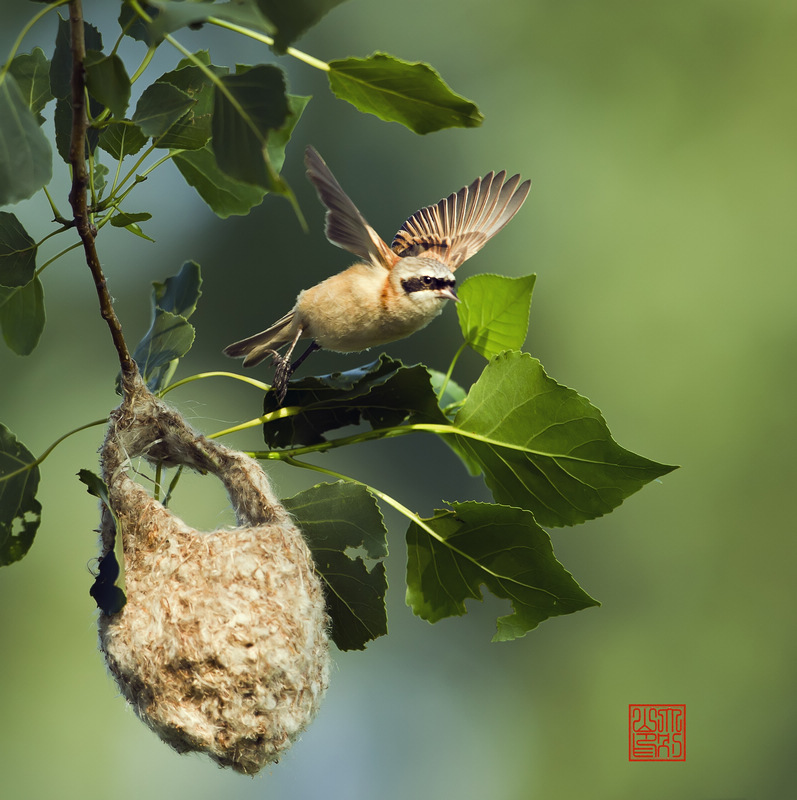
[{"x": 222, "y": 646}]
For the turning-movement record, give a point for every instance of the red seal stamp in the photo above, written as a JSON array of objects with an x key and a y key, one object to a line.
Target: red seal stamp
[{"x": 657, "y": 733}]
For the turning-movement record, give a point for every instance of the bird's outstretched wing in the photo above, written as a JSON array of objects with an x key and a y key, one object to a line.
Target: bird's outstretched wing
[
  {"x": 345, "y": 225},
  {"x": 459, "y": 225}
]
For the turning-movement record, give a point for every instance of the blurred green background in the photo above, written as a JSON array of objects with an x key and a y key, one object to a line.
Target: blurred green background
[{"x": 660, "y": 138}]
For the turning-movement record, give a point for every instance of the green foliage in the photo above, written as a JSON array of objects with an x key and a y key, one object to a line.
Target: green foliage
[
  {"x": 170, "y": 335},
  {"x": 494, "y": 312},
  {"x": 543, "y": 451},
  {"x": 22, "y": 316},
  {"x": 32, "y": 74},
  {"x": 20, "y": 511},
  {"x": 501, "y": 547},
  {"x": 544, "y": 447},
  {"x": 413, "y": 94},
  {"x": 25, "y": 153},
  {"x": 383, "y": 394},
  {"x": 342, "y": 522}
]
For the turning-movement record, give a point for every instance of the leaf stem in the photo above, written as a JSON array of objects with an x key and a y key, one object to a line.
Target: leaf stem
[
  {"x": 36, "y": 462},
  {"x": 261, "y": 37},
  {"x": 77, "y": 194},
  {"x": 450, "y": 371},
  {"x": 202, "y": 375}
]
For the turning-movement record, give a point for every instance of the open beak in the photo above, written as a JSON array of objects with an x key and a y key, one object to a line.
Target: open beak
[{"x": 448, "y": 293}]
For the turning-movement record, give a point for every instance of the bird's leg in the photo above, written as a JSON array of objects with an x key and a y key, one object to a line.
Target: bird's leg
[
  {"x": 284, "y": 369},
  {"x": 311, "y": 349}
]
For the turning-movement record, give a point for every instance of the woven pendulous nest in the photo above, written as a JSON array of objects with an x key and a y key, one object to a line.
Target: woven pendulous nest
[{"x": 222, "y": 646}]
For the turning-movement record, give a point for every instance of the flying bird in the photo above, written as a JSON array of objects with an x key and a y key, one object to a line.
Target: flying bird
[{"x": 390, "y": 292}]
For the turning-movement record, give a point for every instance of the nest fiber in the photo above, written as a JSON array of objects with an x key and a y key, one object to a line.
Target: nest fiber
[{"x": 222, "y": 646}]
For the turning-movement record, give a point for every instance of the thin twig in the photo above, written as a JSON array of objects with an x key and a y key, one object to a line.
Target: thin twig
[{"x": 80, "y": 179}]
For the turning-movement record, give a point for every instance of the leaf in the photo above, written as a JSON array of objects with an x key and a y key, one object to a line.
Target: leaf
[
  {"x": 180, "y": 293},
  {"x": 340, "y": 520},
  {"x": 22, "y": 316},
  {"x": 133, "y": 25},
  {"x": 256, "y": 105},
  {"x": 294, "y": 18},
  {"x": 499, "y": 547},
  {"x": 225, "y": 195},
  {"x": 17, "y": 252},
  {"x": 171, "y": 15},
  {"x": 160, "y": 106},
  {"x": 108, "y": 82},
  {"x": 494, "y": 312},
  {"x": 122, "y": 139},
  {"x": 61, "y": 64},
  {"x": 193, "y": 130},
  {"x": 25, "y": 154},
  {"x": 98, "y": 178},
  {"x": 32, "y": 73},
  {"x": 122, "y": 219},
  {"x": 399, "y": 91},
  {"x": 20, "y": 512},
  {"x": 383, "y": 393},
  {"x": 452, "y": 400},
  {"x": 548, "y": 450},
  {"x": 63, "y": 127},
  {"x": 170, "y": 335}
]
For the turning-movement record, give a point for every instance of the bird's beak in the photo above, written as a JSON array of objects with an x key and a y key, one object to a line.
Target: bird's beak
[{"x": 448, "y": 293}]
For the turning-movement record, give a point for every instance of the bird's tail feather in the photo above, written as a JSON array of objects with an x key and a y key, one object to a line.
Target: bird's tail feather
[{"x": 256, "y": 348}]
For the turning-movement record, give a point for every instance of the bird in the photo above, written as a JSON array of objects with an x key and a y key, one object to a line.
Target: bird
[{"x": 390, "y": 292}]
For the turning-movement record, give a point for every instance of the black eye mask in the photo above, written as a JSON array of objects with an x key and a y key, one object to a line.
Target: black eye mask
[{"x": 419, "y": 284}]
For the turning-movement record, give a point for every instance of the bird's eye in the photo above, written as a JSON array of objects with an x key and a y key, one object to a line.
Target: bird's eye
[{"x": 427, "y": 280}]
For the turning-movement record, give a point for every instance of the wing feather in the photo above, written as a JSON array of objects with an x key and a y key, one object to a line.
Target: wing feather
[
  {"x": 345, "y": 225},
  {"x": 458, "y": 226}
]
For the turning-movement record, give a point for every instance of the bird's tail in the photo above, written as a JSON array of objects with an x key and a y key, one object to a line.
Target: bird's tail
[{"x": 256, "y": 348}]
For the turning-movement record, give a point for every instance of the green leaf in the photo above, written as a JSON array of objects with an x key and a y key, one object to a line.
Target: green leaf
[
  {"x": 108, "y": 82},
  {"x": 61, "y": 65},
  {"x": 225, "y": 195},
  {"x": 548, "y": 449},
  {"x": 180, "y": 293},
  {"x": 399, "y": 91},
  {"x": 134, "y": 26},
  {"x": 383, "y": 393},
  {"x": 32, "y": 73},
  {"x": 193, "y": 130},
  {"x": 255, "y": 103},
  {"x": 499, "y": 547},
  {"x": 170, "y": 335},
  {"x": 63, "y": 127},
  {"x": 122, "y": 139},
  {"x": 494, "y": 312},
  {"x": 452, "y": 400},
  {"x": 340, "y": 521},
  {"x": 22, "y": 316},
  {"x": 122, "y": 220},
  {"x": 294, "y": 18},
  {"x": 20, "y": 512},
  {"x": 17, "y": 252},
  {"x": 159, "y": 107},
  {"x": 172, "y": 15},
  {"x": 99, "y": 175},
  {"x": 25, "y": 154}
]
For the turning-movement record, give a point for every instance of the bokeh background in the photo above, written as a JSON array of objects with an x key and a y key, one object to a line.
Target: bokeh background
[{"x": 660, "y": 138}]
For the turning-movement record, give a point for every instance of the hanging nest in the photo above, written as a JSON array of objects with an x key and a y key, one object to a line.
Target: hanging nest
[{"x": 222, "y": 646}]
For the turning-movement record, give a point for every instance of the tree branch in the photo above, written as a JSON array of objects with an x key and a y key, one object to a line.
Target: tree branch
[{"x": 77, "y": 194}]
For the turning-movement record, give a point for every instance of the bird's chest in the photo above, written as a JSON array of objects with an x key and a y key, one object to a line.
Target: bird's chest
[{"x": 351, "y": 312}]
